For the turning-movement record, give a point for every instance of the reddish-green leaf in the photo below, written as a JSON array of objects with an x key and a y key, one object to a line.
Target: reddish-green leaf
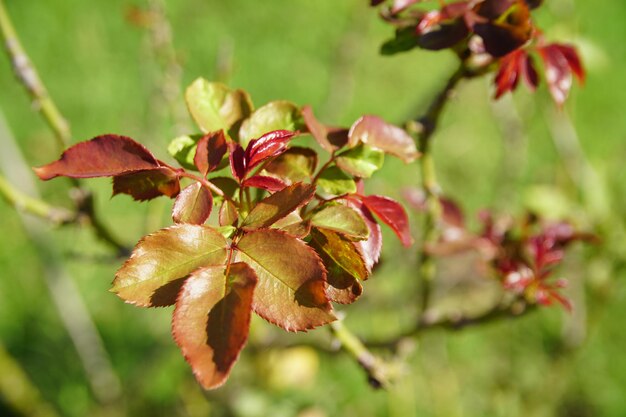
[
  {"x": 392, "y": 214},
  {"x": 212, "y": 319},
  {"x": 296, "y": 164},
  {"x": 344, "y": 263},
  {"x": 228, "y": 213},
  {"x": 264, "y": 182},
  {"x": 294, "y": 225},
  {"x": 317, "y": 129},
  {"x": 163, "y": 257},
  {"x": 193, "y": 205},
  {"x": 267, "y": 146},
  {"x": 336, "y": 182},
  {"x": 211, "y": 148},
  {"x": 147, "y": 184},
  {"x": 361, "y": 161},
  {"x": 237, "y": 161},
  {"x": 275, "y": 115},
  {"x": 370, "y": 248},
  {"x": 103, "y": 156},
  {"x": 375, "y": 132},
  {"x": 278, "y": 205},
  {"x": 292, "y": 280},
  {"x": 341, "y": 219}
]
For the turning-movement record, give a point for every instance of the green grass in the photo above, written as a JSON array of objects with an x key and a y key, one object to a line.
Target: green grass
[{"x": 100, "y": 72}]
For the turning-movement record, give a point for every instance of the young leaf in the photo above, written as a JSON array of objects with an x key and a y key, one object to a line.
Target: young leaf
[
  {"x": 336, "y": 182},
  {"x": 374, "y": 131},
  {"x": 164, "y": 257},
  {"x": 370, "y": 248},
  {"x": 237, "y": 159},
  {"x": 147, "y": 184},
  {"x": 392, "y": 214},
  {"x": 276, "y": 115},
  {"x": 294, "y": 225},
  {"x": 210, "y": 150},
  {"x": 344, "y": 263},
  {"x": 278, "y": 205},
  {"x": 341, "y": 219},
  {"x": 193, "y": 205},
  {"x": 294, "y": 165},
  {"x": 267, "y": 146},
  {"x": 292, "y": 280},
  {"x": 264, "y": 182},
  {"x": 215, "y": 107},
  {"x": 228, "y": 185},
  {"x": 318, "y": 130},
  {"x": 361, "y": 161},
  {"x": 183, "y": 149},
  {"x": 103, "y": 156},
  {"x": 212, "y": 319},
  {"x": 228, "y": 213}
]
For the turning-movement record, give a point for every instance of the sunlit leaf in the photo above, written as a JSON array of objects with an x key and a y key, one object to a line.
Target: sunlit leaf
[
  {"x": 212, "y": 319},
  {"x": 375, "y": 132},
  {"x": 264, "y": 182},
  {"x": 215, "y": 107},
  {"x": 275, "y": 115},
  {"x": 341, "y": 219},
  {"x": 336, "y": 182},
  {"x": 372, "y": 246},
  {"x": 294, "y": 165},
  {"x": 193, "y": 205},
  {"x": 292, "y": 280},
  {"x": 183, "y": 150},
  {"x": 228, "y": 213},
  {"x": 147, "y": 184},
  {"x": 237, "y": 158},
  {"x": 160, "y": 261},
  {"x": 317, "y": 129},
  {"x": 392, "y": 214},
  {"x": 361, "y": 161},
  {"x": 344, "y": 263},
  {"x": 294, "y": 225},
  {"x": 103, "y": 156},
  {"x": 210, "y": 150},
  {"x": 278, "y": 205},
  {"x": 267, "y": 146}
]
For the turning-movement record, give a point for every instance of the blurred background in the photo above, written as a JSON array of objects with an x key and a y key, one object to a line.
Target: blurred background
[{"x": 68, "y": 347}]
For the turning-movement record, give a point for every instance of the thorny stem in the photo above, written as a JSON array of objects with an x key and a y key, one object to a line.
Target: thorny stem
[{"x": 27, "y": 75}]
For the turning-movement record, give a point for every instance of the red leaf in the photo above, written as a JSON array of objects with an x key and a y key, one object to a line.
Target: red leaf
[
  {"x": 278, "y": 205},
  {"x": 530, "y": 73},
  {"x": 392, "y": 214},
  {"x": 269, "y": 145},
  {"x": 370, "y": 248},
  {"x": 237, "y": 161},
  {"x": 211, "y": 320},
  {"x": 374, "y": 131},
  {"x": 558, "y": 72},
  {"x": 103, "y": 156},
  {"x": 264, "y": 182},
  {"x": 193, "y": 205},
  {"x": 147, "y": 184},
  {"x": 317, "y": 129},
  {"x": 211, "y": 148},
  {"x": 575, "y": 64},
  {"x": 507, "y": 77}
]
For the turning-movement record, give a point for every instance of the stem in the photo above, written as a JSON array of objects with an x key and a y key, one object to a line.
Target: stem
[
  {"x": 208, "y": 184},
  {"x": 330, "y": 161}
]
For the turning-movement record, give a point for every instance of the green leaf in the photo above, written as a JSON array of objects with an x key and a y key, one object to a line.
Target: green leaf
[
  {"x": 341, "y": 219},
  {"x": 278, "y": 205},
  {"x": 211, "y": 320},
  {"x": 361, "y": 161},
  {"x": 292, "y": 280},
  {"x": 160, "y": 261},
  {"x": 193, "y": 205},
  {"x": 404, "y": 40},
  {"x": 275, "y": 115},
  {"x": 344, "y": 262},
  {"x": 215, "y": 107},
  {"x": 296, "y": 164},
  {"x": 294, "y": 225},
  {"x": 183, "y": 149},
  {"x": 336, "y": 182}
]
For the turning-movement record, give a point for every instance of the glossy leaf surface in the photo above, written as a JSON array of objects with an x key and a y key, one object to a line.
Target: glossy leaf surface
[
  {"x": 147, "y": 184},
  {"x": 264, "y": 182},
  {"x": 375, "y": 132},
  {"x": 210, "y": 150},
  {"x": 294, "y": 165},
  {"x": 392, "y": 214},
  {"x": 275, "y": 115},
  {"x": 147, "y": 278},
  {"x": 292, "y": 280},
  {"x": 212, "y": 319},
  {"x": 267, "y": 146},
  {"x": 278, "y": 205},
  {"x": 341, "y": 219},
  {"x": 193, "y": 205},
  {"x": 361, "y": 161}
]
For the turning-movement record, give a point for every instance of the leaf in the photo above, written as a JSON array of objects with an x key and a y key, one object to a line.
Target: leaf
[
  {"x": 392, "y": 214},
  {"x": 183, "y": 149},
  {"x": 336, "y": 182},
  {"x": 228, "y": 213},
  {"x": 292, "y": 280},
  {"x": 228, "y": 185},
  {"x": 215, "y": 107},
  {"x": 341, "y": 219},
  {"x": 370, "y": 248},
  {"x": 404, "y": 40},
  {"x": 294, "y": 225},
  {"x": 275, "y": 115},
  {"x": 210, "y": 150},
  {"x": 211, "y": 320},
  {"x": 237, "y": 159},
  {"x": 278, "y": 205},
  {"x": 361, "y": 161},
  {"x": 294, "y": 165},
  {"x": 267, "y": 146},
  {"x": 103, "y": 156},
  {"x": 317, "y": 129},
  {"x": 375, "y": 132},
  {"x": 264, "y": 182},
  {"x": 163, "y": 257},
  {"x": 344, "y": 263},
  {"x": 147, "y": 184},
  {"x": 193, "y": 205}
]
